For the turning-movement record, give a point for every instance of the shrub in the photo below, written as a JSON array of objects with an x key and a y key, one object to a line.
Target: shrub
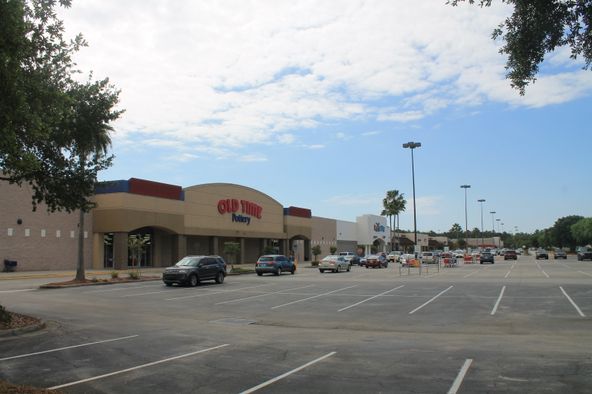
[
  {"x": 94, "y": 279},
  {"x": 114, "y": 274},
  {"x": 134, "y": 274},
  {"x": 5, "y": 317}
]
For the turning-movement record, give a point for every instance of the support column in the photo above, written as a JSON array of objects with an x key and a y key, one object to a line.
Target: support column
[
  {"x": 180, "y": 245},
  {"x": 120, "y": 251},
  {"x": 215, "y": 246},
  {"x": 242, "y": 251},
  {"x": 98, "y": 251}
]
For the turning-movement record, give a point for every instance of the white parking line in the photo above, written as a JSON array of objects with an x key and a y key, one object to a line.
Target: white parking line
[
  {"x": 585, "y": 273},
  {"x": 67, "y": 347},
  {"x": 271, "y": 381},
  {"x": 432, "y": 299},
  {"x": 371, "y": 298},
  {"x": 135, "y": 368},
  {"x": 499, "y": 299},
  {"x": 572, "y": 302},
  {"x": 212, "y": 293},
  {"x": 310, "y": 298},
  {"x": 546, "y": 274},
  {"x": 16, "y": 291},
  {"x": 461, "y": 375},
  {"x": 261, "y": 295}
]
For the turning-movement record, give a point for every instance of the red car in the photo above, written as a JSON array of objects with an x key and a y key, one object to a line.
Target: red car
[
  {"x": 374, "y": 261},
  {"x": 510, "y": 255}
]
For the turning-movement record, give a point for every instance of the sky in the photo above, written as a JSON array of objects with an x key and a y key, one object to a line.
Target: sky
[{"x": 310, "y": 102}]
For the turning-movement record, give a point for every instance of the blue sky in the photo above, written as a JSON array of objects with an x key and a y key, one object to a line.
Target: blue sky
[{"x": 311, "y": 103}]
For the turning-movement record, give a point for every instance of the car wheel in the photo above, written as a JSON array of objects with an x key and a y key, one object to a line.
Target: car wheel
[
  {"x": 260, "y": 273},
  {"x": 348, "y": 268},
  {"x": 193, "y": 281},
  {"x": 293, "y": 270},
  {"x": 278, "y": 272},
  {"x": 168, "y": 283},
  {"x": 220, "y": 278},
  {"x": 321, "y": 271}
]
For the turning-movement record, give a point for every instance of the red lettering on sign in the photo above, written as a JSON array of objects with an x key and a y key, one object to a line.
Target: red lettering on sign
[{"x": 233, "y": 205}]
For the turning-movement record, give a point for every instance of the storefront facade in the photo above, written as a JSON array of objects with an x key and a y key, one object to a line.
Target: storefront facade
[{"x": 200, "y": 219}]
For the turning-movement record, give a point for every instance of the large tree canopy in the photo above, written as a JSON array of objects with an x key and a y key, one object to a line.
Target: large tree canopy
[
  {"x": 538, "y": 27},
  {"x": 42, "y": 107}
]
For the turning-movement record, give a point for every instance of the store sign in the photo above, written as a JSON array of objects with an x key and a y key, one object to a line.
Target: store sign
[
  {"x": 379, "y": 228},
  {"x": 241, "y": 210}
]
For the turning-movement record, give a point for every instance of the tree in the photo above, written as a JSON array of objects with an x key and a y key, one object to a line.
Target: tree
[
  {"x": 582, "y": 231},
  {"x": 232, "y": 249},
  {"x": 333, "y": 249},
  {"x": 560, "y": 234},
  {"x": 91, "y": 105},
  {"x": 394, "y": 203},
  {"x": 537, "y": 28},
  {"x": 455, "y": 231},
  {"x": 137, "y": 244},
  {"x": 316, "y": 251},
  {"x": 37, "y": 106}
]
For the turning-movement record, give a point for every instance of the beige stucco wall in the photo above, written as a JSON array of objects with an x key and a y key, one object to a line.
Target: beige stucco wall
[
  {"x": 34, "y": 251},
  {"x": 324, "y": 233}
]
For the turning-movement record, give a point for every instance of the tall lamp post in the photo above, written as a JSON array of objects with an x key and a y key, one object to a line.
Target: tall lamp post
[
  {"x": 466, "y": 220},
  {"x": 412, "y": 146},
  {"x": 499, "y": 244},
  {"x": 481, "y": 200},
  {"x": 492, "y": 221}
]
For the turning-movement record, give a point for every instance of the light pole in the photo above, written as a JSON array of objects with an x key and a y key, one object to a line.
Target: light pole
[
  {"x": 492, "y": 221},
  {"x": 481, "y": 200},
  {"x": 466, "y": 220},
  {"x": 412, "y": 146},
  {"x": 498, "y": 224}
]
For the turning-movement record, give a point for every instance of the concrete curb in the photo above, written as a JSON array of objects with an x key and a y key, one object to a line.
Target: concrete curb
[
  {"x": 65, "y": 286},
  {"x": 22, "y": 330}
]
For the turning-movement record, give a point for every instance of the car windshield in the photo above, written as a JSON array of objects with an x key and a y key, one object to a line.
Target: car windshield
[{"x": 187, "y": 262}]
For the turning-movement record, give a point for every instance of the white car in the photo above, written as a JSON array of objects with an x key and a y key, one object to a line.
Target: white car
[
  {"x": 334, "y": 263},
  {"x": 394, "y": 256}
]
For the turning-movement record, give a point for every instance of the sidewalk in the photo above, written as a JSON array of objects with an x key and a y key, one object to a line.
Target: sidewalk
[{"x": 89, "y": 273}]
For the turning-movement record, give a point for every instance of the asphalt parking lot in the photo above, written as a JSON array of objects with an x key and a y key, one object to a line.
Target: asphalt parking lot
[{"x": 515, "y": 327}]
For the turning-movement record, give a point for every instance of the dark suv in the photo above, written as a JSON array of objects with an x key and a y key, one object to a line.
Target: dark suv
[
  {"x": 486, "y": 257},
  {"x": 584, "y": 254},
  {"x": 274, "y": 264},
  {"x": 191, "y": 270}
]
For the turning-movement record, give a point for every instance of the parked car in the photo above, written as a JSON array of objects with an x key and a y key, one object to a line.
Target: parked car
[
  {"x": 376, "y": 261},
  {"x": 333, "y": 263},
  {"x": 487, "y": 257},
  {"x": 560, "y": 254},
  {"x": 191, "y": 270},
  {"x": 407, "y": 260},
  {"x": 428, "y": 258},
  {"x": 274, "y": 264},
  {"x": 541, "y": 254},
  {"x": 356, "y": 260},
  {"x": 394, "y": 256},
  {"x": 585, "y": 253},
  {"x": 510, "y": 254}
]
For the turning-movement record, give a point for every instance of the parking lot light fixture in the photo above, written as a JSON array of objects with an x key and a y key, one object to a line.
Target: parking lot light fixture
[
  {"x": 492, "y": 221},
  {"x": 481, "y": 201},
  {"x": 412, "y": 146},
  {"x": 466, "y": 220}
]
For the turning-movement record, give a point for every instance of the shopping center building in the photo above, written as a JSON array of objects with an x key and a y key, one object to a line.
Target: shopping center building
[{"x": 173, "y": 222}]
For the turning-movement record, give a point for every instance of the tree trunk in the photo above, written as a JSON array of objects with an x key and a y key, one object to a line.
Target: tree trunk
[{"x": 80, "y": 266}]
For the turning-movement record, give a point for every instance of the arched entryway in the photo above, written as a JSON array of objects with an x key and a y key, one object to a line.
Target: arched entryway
[{"x": 299, "y": 248}]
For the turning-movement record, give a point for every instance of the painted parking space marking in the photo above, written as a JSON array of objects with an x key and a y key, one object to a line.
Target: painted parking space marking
[
  {"x": 214, "y": 292},
  {"x": 499, "y": 299},
  {"x": 137, "y": 367},
  {"x": 67, "y": 347},
  {"x": 371, "y": 298},
  {"x": 572, "y": 302},
  {"x": 273, "y": 380},
  {"x": 15, "y": 291},
  {"x": 310, "y": 298},
  {"x": 460, "y": 377},
  {"x": 585, "y": 273},
  {"x": 432, "y": 299},
  {"x": 262, "y": 295}
]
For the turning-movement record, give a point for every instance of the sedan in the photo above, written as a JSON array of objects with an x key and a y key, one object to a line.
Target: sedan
[
  {"x": 510, "y": 255},
  {"x": 560, "y": 254},
  {"x": 274, "y": 264},
  {"x": 333, "y": 263},
  {"x": 541, "y": 254},
  {"x": 375, "y": 261}
]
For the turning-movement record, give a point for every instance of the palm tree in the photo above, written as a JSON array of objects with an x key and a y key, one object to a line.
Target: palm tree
[
  {"x": 91, "y": 112},
  {"x": 394, "y": 203}
]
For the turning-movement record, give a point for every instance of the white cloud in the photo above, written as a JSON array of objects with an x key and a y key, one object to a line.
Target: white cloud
[{"x": 222, "y": 75}]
